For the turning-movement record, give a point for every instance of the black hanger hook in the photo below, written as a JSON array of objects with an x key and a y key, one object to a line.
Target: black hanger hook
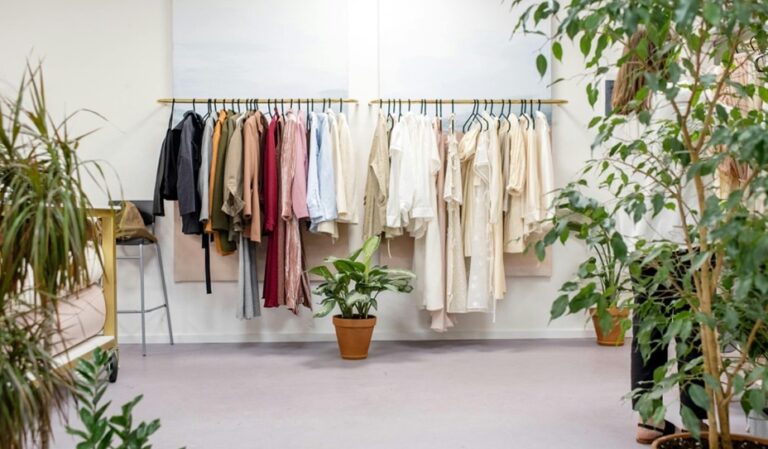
[{"x": 170, "y": 119}]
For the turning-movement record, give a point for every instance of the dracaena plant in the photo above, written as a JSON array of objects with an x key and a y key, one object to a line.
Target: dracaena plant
[
  {"x": 700, "y": 152},
  {"x": 355, "y": 283},
  {"x": 44, "y": 232}
]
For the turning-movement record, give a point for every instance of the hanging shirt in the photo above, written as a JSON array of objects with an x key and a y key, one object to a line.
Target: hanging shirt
[
  {"x": 321, "y": 186},
  {"x": 329, "y": 226},
  {"x": 496, "y": 212},
  {"x": 254, "y": 133},
  {"x": 546, "y": 170},
  {"x": 377, "y": 184},
  {"x": 206, "y": 152},
  {"x": 515, "y": 187},
  {"x": 293, "y": 207},
  {"x": 233, "y": 181},
  {"x": 397, "y": 141},
  {"x": 532, "y": 212},
  {"x": 214, "y": 165},
  {"x": 220, "y": 220},
  {"x": 467, "y": 150},
  {"x": 165, "y": 180},
  {"x": 345, "y": 173},
  {"x": 188, "y": 165}
]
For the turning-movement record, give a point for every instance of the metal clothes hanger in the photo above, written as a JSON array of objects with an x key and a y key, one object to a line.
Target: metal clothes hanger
[
  {"x": 390, "y": 117},
  {"x": 469, "y": 119},
  {"x": 453, "y": 117},
  {"x": 400, "y": 109},
  {"x": 208, "y": 114},
  {"x": 341, "y": 106},
  {"x": 487, "y": 123},
  {"x": 523, "y": 107},
  {"x": 170, "y": 119}
]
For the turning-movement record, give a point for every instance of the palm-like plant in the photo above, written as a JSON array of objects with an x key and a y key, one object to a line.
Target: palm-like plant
[
  {"x": 44, "y": 231},
  {"x": 356, "y": 284}
]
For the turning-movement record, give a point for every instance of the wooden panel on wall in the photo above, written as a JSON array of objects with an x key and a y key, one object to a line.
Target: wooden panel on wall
[{"x": 189, "y": 263}]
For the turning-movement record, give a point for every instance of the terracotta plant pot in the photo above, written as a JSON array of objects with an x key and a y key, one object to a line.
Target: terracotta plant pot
[
  {"x": 670, "y": 441},
  {"x": 354, "y": 336},
  {"x": 615, "y": 337}
]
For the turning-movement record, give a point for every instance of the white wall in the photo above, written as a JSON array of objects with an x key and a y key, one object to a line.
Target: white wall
[{"x": 115, "y": 58}]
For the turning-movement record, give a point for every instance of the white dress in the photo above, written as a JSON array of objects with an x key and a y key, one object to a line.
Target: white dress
[
  {"x": 427, "y": 250},
  {"x": 456, "y": 273},
  {"x": 479, "y": 297},
  {"x": 515, "y": 187},
  {"x": 496, "y": 211}
]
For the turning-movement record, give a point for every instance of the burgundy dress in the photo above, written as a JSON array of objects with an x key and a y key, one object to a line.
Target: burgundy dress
[{"x": 272, "y": 222}]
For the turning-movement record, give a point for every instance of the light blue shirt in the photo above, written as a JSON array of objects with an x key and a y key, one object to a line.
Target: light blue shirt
[{"x": 321, "y": 193}]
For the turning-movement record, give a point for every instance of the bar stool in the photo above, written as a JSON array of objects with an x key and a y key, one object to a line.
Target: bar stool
[{"x": 145, "y": 208}]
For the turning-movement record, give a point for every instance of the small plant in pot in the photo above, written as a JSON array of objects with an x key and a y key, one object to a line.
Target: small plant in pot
[
  {"x": 603, "y": 273},
  {"x": 354, "y": 288}
]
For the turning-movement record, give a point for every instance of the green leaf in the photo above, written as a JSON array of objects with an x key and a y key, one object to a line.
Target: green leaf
[
  {"x": 585, "y": 44},
  {"x": 699, "y": 396},
  {"x": 325, "y": 309},
  {"x": 559, "y": 307},
  {"x": 711, "y": 12},
  {"x": 368, "y": 249},
  {"x": 541, "y": 64},
  {"x": 618, "y": 246},
  {"x": 658, "y": 203},
  {"x": 756, "y": 399},
  {"x": 691, "y": 422},
  {"x": 763, "y": 92},
  {"x": 322, "y": 271},
  {"x": 557, "y": 50}
]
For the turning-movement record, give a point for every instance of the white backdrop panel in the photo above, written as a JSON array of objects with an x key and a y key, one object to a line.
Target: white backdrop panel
[
  {"x": 249, "y": 48},
  {"x": 457, "y": 49}
]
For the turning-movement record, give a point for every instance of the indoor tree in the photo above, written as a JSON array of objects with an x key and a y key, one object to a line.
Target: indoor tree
[{"x": 700, "y": 151}]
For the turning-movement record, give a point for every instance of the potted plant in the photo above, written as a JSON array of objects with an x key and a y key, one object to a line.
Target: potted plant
[
  {"x": 354, "y": 288},
  {"x": 691, "y": 78},
  {"x": 43, "y": 237},
  {"x": 589, "y": 221}
]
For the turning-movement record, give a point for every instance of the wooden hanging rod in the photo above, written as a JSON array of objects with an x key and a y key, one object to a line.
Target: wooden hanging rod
[
  {"x": 203, "y": 101},
  {"x": 448, "y": 101}
]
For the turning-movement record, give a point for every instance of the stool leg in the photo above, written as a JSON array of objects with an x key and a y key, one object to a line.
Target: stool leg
[
  {"x": 165, "y": 291},
  {"x": 141, "y": 283}
]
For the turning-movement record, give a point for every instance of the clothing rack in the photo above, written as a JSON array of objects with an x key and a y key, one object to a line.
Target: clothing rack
[
  {"x": 449, "y": 101},
  {"x": 203, "y": 101}
]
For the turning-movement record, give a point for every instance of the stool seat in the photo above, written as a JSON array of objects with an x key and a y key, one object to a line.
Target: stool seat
[
  {"x": 145, "y": 208},
  {"x": 134, "y": 242}
]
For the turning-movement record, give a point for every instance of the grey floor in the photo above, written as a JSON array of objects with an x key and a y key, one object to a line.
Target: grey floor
[{"x": 407, "y": 395}]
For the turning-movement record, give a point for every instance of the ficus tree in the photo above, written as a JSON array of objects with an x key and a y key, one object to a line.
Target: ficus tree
[{"x": 689, "y": 137}]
